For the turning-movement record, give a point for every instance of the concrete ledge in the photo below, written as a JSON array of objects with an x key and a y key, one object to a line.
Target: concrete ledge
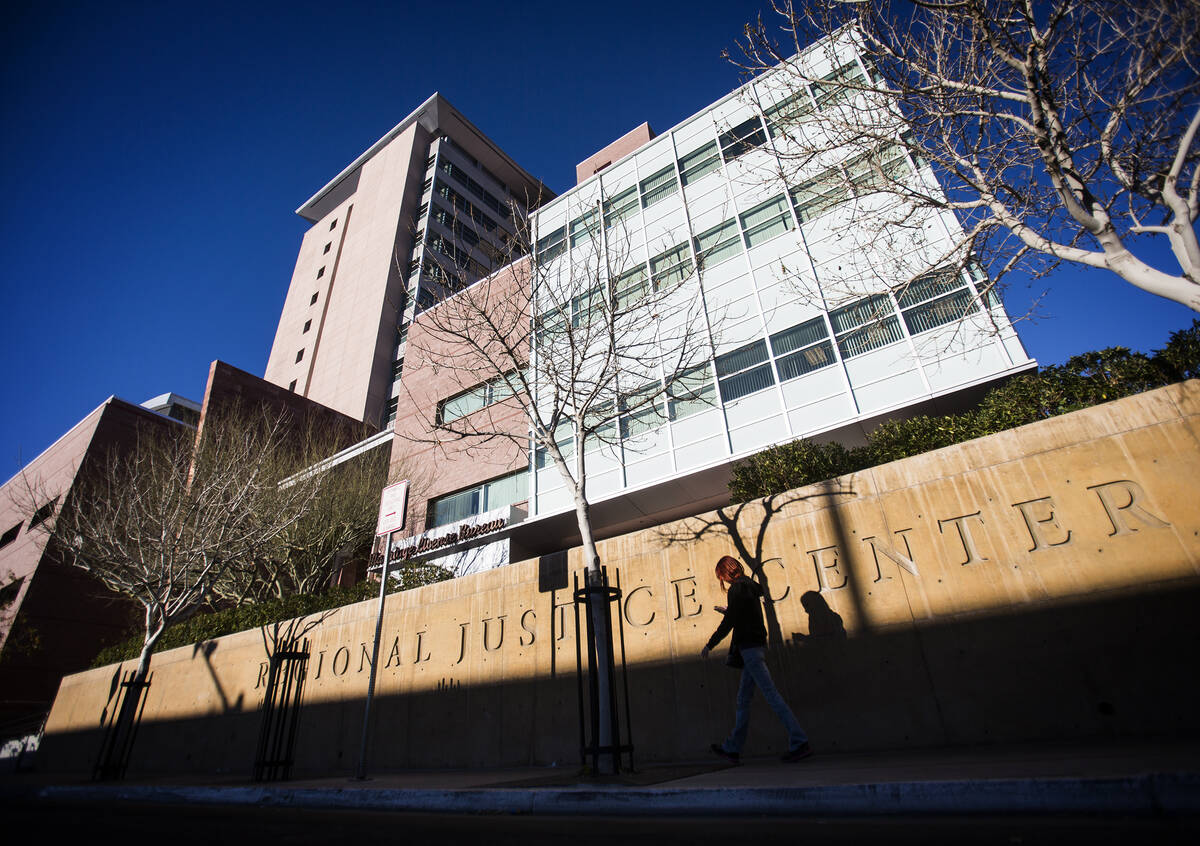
[{"x": 1166, "y": 794}]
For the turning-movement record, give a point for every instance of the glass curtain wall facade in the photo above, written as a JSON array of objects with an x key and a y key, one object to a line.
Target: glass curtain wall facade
[{"x": 797, "y": 347}]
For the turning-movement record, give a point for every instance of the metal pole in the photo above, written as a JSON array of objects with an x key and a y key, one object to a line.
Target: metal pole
[{"x": 361, "y": 772}]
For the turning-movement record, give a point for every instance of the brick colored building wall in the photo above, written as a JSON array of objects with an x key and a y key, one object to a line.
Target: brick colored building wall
[{"x": 435, "y": 462}]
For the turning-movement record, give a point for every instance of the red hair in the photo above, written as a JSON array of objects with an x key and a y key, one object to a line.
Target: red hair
[{"x": 728, "y": 569}]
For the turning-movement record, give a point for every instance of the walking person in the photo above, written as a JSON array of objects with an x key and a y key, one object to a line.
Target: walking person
[{"x": 744, "y": 617}]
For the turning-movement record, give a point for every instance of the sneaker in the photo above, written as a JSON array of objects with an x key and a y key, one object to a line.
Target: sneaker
[
  {"x": 731, "y": 757},
  {"x": 798, "y": 754}
]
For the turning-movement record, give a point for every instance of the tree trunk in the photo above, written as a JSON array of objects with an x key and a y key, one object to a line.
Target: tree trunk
[{"x": 598, "y": 609}]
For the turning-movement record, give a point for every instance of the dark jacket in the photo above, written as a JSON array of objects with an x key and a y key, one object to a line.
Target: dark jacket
[{"x": 743, "y": 614}]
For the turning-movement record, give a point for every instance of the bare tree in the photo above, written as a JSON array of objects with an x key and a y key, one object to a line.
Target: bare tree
[
  {"x": 568, "y": 351},
  {"x": 1055, "y": 132},
  {"x": 574, "y": 349},
  {"x": 336, "y": 527},
  {"x": 160, "y": 522}
]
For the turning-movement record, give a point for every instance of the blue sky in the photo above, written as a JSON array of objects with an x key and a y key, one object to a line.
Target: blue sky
[{"x": 153, "y": 155}]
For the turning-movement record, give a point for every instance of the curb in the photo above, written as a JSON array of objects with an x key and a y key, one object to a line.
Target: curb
[{"x": 1169, "y": 794}]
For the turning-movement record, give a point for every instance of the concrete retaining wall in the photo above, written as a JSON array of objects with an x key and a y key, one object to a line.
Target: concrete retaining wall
[{"x": 1038, "y": 583}]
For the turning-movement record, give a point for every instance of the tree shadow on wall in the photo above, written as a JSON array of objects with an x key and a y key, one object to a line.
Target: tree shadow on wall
[{"x": 749, "y": 538}]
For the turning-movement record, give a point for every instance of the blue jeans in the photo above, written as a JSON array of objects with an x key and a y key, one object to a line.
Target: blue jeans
[{"x": 756, "y": 674}]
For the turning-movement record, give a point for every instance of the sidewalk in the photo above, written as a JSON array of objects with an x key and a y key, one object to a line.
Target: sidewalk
[{"x": 1124, "y": 779}]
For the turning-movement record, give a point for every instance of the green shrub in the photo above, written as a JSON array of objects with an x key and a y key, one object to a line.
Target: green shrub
[
  {"x": 1180, "y": 358},
  {"x": 793, "y": 465},
  {"x": 896, "y": 439},
  {"x": 214, "y": 624},
  {"x": 1082, "y": 381}
]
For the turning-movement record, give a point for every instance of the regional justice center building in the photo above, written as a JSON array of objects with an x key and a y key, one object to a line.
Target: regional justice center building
[{"x": 800, "y": 352}]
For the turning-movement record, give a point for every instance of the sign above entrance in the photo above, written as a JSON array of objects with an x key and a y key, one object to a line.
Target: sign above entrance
[{"x": 393, "y": 503}]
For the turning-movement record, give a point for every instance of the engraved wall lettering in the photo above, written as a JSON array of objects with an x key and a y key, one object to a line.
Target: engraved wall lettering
[
  {"x": 487, "y": 647},
  {"x": 1038, "y": 513},
  {"x": 826, "y": 561},
  {"x": 364, "y": 658},
  {"x": 787, "y": 588},
  {"x": 320, "y": 663},
  {"x": 462, "y": 644},
  {"x": 527, "y": 618},
  {"x": 901, "y": 559},
  {"x": 262, "y": 674},
  {"x": 394, "y": 655},
  {"x": 647, "y": 616},
  {"x": 964, "y": 536},
  {"x": 1113, "y": 493},
  {"x": 422, "y": 657},
  {"x": 685, "y": 597},
  {"x": 561, "y": 617},
  {"x": 343, "y": 652}
]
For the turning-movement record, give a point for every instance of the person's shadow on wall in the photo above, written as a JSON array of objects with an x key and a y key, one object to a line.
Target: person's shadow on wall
[{"x": 823, "y": 622}]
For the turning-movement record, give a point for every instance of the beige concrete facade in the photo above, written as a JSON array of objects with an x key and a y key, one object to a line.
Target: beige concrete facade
[
  {"x": 349, "y": 262},
  {"x": 1035, "y": 584},
  {"x": 340, "y": 326}
]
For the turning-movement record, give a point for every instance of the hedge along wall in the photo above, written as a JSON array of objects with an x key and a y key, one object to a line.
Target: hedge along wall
[{"x": 1038, "y": 583}]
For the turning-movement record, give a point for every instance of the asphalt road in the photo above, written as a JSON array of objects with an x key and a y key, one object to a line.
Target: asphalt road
[{"x": 224, "y": 825}]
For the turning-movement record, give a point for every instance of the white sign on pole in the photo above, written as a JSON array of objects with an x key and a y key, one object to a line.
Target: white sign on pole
[{"x": 393, "y": 503}]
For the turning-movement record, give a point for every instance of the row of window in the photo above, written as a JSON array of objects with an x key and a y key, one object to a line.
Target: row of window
[
  {"x": 858, "y": 327},
  {"x": 463, "y": 208},
  {"x": 460, "y": 405},
  {"x": 641, "y": 410},
  {"x": 735, "y": 142},
  {"x": 770, "y": 218},
  {"x": 488, "y": 496},
  {"x": 835, "y": 87},
  {"x": 463, "y": 178},
  {"x": 40, "y": 516}
]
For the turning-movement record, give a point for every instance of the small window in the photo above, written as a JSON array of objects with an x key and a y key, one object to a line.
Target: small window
[
  {"x": 742, "y": 139},
  {"x": 865, "y": 325},
  {"x": 765, "y": 221},
  {"x": 332, "y": 224},
  {"x": 698, "y": 163},
  {"x": 744, "y": 371},
  {"x": 659, "y": 186},
  {"x": 10, "y": 536},
  {"x": 321, "y": 272},
  {"x": 44, "y": 513},
  {"x": 630, "y": 287},
  {"x": 802, "y": 349},
  {"x": 842, "y": 84},
  {"x": 481, "y": 396},
  {"x": 817, "y": 196},
  {"x": 670, "y": 267},
  {"x": 299, "y": 356},
  {"x": 691, "y": 392},
  {"x": 397, "y": 368},
  {"x": 313, "y": 301},
  {"x": 389, "y": 411},
  {"x": 327, "y": 246},
  {"x": 644, "y": 411},
  {"x": 718, "y": 244},
  {"x": 583, "y": 228},
  {"x": 620, "y": 206},
  {"x": 789, "y": 112},
  {"x": 553, "y": 245},
  {"x": 307, "y": 326},
  {"x": 292, "y": 386}
]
